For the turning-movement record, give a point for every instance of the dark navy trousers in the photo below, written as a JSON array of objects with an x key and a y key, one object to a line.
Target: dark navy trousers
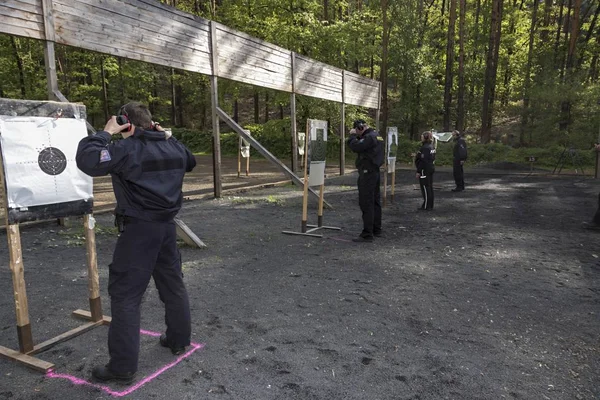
[
  {"x": 145, "y": 249},
  {"x": 459, "y": 174},
  {"x": 426, "y": 184},
  {"x": 369, "y": 200}
]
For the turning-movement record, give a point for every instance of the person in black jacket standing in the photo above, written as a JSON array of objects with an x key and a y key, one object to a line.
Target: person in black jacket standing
[
  {"x": 368, "y": 145},
  {"x": 460, "y": 156},
  {"x": 147, "y": 169},
  {"x": 425, "y": 163}
]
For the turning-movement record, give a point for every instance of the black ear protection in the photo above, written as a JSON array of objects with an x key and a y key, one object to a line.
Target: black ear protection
[
  {"x": 123, "y": 119},
  {"x": 359, "y": 125}
]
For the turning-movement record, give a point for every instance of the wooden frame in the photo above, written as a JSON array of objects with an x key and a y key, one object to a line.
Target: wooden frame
[
  {"x": 310, "y": 124},
  {"x": 26, "y": 343}
]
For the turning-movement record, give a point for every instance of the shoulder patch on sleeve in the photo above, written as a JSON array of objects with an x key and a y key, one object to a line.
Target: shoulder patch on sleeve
[{"x": 105, "y": 155}]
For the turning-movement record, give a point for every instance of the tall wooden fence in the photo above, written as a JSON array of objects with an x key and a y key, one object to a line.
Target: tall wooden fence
[{"x": 146, "y": 30}]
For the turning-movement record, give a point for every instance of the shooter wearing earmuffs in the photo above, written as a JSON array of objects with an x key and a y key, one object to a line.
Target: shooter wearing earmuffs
[
  {"x": 425, "y": 163},
  {"x": 368, "y": 146},
  {"x": 147, "y": 169}
]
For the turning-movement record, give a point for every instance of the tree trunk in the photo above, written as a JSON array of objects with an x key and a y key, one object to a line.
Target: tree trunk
[
  {"x": 527, "y": 78},
  {"x": 565, "y": 107},
  {"x": 384, "y": 65},
  {"x": 122, "y": 81},
  {"x": 256, "y": 107},
  {"x": 474, "y": 55},
  {"x": 559, "y": 27},
  {"x": 449, "y": 65},
  {"x": 460, "y": 117},
  {"x": 173, "y": 99},
  {"x": 546, "y": 20},
  {"x": 491, "y": 71},
  {"x": 104, "y": 88},
  {"x": 266, "y": 107},
  {"x": 19, "y": 60}
]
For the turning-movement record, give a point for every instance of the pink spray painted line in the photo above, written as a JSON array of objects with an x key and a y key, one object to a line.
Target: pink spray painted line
[{"x": 81, "y": 382}]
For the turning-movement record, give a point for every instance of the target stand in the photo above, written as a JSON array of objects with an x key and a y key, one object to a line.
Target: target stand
[
  {"x": 40, "y": 180},
  {"x": 391, "y": 150},
  {"x": 315, "y": 154}
]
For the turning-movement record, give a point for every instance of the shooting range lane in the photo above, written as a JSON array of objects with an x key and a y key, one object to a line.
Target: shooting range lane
[{"x": 494, "y": 292}]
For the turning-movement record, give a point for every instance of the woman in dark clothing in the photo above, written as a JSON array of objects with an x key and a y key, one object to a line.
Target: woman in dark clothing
[{"x": 425, "y": 163}]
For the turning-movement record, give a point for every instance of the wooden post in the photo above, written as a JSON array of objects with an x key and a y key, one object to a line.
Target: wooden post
[
  {"x": 13, "y": 236},
  {"x": 343, "y": 128},
  {"x": 305, "y": 195},
  {"x": 294, "y": 129},
  {"x": 393, "y": 183},
  {"x": 18, "y": 277},
  {"x": 378, "y": 106},
  {"x": 214, "y": 96},
  {"x": 50, "y": 64},
  {"x": 248, "y": 163},
  {"x": 49, "y": 56},
  {"x": 92, "y": 263},
  {"x": 385, "y": 179},
  {"x": 320, "y": 211},
  {"x": 239, "y": 156}
]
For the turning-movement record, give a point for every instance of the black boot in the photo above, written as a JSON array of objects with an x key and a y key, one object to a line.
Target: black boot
[
  {"x": 104, "y": 374},
  {"x": 176, "y": 350}
]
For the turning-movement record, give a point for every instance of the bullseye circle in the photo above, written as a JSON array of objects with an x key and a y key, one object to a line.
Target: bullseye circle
[{"x": 52, "y": 161}]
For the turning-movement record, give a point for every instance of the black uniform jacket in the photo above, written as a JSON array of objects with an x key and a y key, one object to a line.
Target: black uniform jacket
[
  {"x": 460, "y": 150},
  {"x": 369, "y": 147},
  {"x": 425, "y": 159},
  {"x": 147, "y": 171}
]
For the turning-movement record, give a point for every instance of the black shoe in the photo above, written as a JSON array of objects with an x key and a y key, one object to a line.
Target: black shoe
[
  {"x": 458, "y": 189},
  {"x": 104, "y": 374},
  {"x": 363, "y": 239},
  {"x": 591, "y": 226},
  {"x": 175, "y": 350},
  {"x": 421, "y": 209},
  {"x": 378, "y": 234}
]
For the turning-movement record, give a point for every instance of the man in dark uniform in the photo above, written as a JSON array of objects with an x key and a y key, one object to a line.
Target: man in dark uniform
[
  {"x": 368, "y": 145},
  {"x": 147, "y": 169},
  {"x": 425, "y": 163},
  {"x": 460, "y": 156}
]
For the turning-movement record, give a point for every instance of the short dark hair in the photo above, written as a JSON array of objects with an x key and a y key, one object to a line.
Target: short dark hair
[
  {"x": 138, "y": 114},
  {"x": 359, "y": 124}
]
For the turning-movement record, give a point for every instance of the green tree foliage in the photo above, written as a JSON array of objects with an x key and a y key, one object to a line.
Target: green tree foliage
[{"x": 561, "y": 70}]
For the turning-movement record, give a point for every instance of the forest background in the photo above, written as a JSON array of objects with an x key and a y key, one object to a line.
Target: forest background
[{"x": 519, "y": 77}]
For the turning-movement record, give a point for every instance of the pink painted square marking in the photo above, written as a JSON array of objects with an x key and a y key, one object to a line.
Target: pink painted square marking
[{"x": 77, "y": 381}]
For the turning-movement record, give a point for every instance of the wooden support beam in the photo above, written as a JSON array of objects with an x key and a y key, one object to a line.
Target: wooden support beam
[
  {"x": 254, "y": 143},
  {"x": 88, "y": 315},
  {"x": 187, "y": 235},
  {"x": 32, "y": 362},
  {"x": 64, "y": 337}
]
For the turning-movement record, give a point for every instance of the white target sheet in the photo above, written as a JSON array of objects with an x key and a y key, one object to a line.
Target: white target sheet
[{"x": 39, "y": 161}]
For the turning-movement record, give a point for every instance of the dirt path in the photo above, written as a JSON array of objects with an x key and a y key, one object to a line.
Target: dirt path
[{"x": 495, "y": 294}]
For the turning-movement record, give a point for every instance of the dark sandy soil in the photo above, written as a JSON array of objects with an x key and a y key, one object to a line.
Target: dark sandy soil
[{"x": 493, "y": 295}]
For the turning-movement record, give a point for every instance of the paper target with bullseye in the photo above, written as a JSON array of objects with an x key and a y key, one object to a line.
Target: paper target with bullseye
[
  {"x": 38, "y": 156},
  {"x": 392, "y": 147},
  {"x": 317, "y": 151}
]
